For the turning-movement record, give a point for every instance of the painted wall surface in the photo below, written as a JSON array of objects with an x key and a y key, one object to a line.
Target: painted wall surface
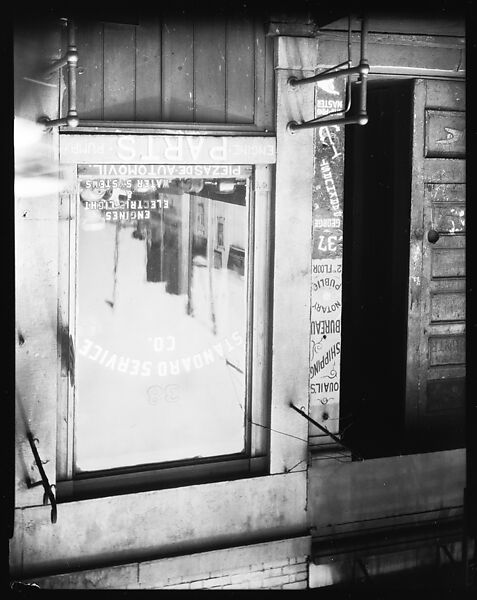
[
  {"x": 119, "y": 529},
  {"x": 279, "y": 564},
  {"x": 292, "y": 261},
  {"x": 36, "y": 250}
]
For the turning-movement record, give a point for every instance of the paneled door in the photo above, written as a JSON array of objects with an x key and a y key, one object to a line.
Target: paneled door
[{"x": 435, "y": 374}]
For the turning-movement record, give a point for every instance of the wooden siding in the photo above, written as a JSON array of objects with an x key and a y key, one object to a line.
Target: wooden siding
[{"x": 172, "y": 69}]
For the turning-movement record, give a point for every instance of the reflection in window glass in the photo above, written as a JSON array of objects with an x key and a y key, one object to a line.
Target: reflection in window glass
[{"x": 161, "y": 315}]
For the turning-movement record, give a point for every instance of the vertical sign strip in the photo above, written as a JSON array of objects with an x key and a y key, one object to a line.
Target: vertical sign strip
[{"x": 327, "y": 259}]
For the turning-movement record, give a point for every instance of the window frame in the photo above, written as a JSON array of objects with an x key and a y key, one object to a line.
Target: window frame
[{"x": 255, "y": 460}]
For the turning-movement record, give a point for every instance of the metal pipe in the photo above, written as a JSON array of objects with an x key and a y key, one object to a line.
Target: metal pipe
[
  {"x": 363, "y": 77},
  {"x": 364, "y": 37},
  {"x": 44, "y": 479},
  {"x": 294, "y": 82},
  {"x": 58, "y": 64},
  {"x": 53, "y": 122},
  {"x": 362, "y": 70},
  {"x": 70, "y": 59},
  {"x": 293, "y": 126},
  {"x": 332, "y": 435}
]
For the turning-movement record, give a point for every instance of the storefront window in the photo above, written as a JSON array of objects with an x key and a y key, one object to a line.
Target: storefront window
[{"x": 161, "y": 314}]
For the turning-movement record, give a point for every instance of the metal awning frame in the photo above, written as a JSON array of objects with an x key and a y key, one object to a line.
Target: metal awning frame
[{"x": 362, "y": 70}]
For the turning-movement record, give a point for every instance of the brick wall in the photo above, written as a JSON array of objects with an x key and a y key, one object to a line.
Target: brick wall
[
  {"x": 284, "y": 574},
  {"x": 281, "y": 564}
]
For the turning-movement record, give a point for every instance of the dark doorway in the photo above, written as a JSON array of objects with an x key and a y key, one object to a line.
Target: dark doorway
[{"x": 378, "y": 166}]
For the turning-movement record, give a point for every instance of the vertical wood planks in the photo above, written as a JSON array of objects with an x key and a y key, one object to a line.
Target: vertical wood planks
[
  {"x": 209, "y": 71},
  {"x": 148, "y": 70},
  {"x": 269, "y": 78},
  {"x": 177, "y": 70},
  {"x": 240, "y": 80},
  {"x": 170, "y": 69},
  {"x": 90, "y": 88},
  {"x": 119, "y": 72},
  {"x": 260, "y": 68},
  {"x": 264, "y": 79}
]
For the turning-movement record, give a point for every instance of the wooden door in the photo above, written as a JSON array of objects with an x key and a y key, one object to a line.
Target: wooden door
[
  {"x": 435, "y": 373},
  {"x": 403, "y": 332}
]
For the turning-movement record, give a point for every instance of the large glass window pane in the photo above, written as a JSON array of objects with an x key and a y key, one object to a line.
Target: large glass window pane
[{"x": 161, "y": 314}]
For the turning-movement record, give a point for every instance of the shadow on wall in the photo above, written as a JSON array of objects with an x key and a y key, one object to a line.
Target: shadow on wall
[
  {"x": 37, "y": 44},
  {"x": 36, "y": 172}
]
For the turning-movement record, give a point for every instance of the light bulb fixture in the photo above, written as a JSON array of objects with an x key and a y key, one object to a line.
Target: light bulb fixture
[{"x": 226, "y": 186}]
